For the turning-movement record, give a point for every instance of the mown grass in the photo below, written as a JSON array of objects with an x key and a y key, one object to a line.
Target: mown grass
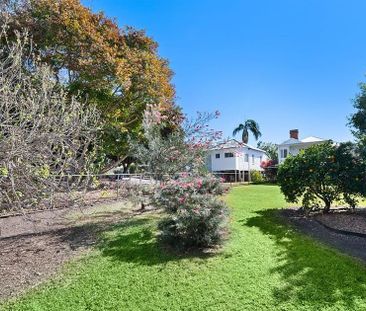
[{"x": 265, "y": 265}]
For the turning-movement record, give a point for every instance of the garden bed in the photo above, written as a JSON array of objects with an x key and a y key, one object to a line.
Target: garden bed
[{"x": 345, "y": 221}]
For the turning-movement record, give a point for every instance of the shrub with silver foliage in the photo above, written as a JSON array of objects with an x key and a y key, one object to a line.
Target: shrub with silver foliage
[{"x": 44, "y": 134}]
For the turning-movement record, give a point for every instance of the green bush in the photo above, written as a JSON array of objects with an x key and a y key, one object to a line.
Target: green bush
[
  {"x": 322, "y": 174},
  {"x": 256, "y": 177},
  {"x": 195, "y": 216}
]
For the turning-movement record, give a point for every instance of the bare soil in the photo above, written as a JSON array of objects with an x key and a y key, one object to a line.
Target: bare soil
[{"x": 33, "y": 247}]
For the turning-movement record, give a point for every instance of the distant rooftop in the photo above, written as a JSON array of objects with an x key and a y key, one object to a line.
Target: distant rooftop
[
  {"x": 310, "y": 139},
  {"x": 233, "y": 143}
]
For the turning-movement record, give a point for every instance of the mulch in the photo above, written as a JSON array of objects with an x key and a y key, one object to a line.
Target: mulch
[
  {"x": 341, "y": 229},
  {"x": 345, "y": 221}
]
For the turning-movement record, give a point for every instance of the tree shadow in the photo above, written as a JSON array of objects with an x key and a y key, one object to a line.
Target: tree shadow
[
  {"x": 136, "y": 241},
  {"x": 312, "y": 274}
]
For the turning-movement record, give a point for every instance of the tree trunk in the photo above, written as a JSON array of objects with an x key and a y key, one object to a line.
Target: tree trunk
[
  {"x": 245, "y": 137},
  {"x": 327, "y": 206}
]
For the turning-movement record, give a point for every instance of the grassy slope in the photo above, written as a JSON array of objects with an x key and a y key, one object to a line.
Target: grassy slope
[{"x": 264, "y": 266}]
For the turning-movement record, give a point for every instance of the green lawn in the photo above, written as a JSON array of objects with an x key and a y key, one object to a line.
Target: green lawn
[{"x": 264, "y": 265}]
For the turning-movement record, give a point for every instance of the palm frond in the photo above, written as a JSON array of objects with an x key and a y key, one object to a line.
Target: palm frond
[
  {"x": 238, "y": 129},
  {"x": 253, "y": 126}
]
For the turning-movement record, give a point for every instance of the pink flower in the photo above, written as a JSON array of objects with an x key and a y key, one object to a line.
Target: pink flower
[{"x": 199, "y": 183}]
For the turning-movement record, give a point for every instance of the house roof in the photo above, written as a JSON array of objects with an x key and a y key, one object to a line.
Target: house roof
[
  {"x": 233, "y": 143},
  {"x": 291, "y": 141},
  {"x": 310, "y": 139}
]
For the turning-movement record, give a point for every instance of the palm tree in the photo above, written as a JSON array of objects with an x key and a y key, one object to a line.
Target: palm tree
[{"x": 248, "y": 126}]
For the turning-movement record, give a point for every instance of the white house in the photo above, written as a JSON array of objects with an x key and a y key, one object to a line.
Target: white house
[
  {"x": 234, "y": 160},
  {"x": 294, "y": 145}
]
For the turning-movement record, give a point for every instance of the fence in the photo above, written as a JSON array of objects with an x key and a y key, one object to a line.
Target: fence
[{"x": 71, "y": 190}]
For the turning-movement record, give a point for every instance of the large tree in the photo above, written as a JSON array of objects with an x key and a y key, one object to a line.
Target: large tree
[
  {"x": 246, "y": 127},
  {"x": 117, "y": 69},
  {"x": 358, "y": 119}
]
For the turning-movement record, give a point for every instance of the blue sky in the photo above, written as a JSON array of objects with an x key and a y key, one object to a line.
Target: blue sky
[{"x": 285, "y": 63}]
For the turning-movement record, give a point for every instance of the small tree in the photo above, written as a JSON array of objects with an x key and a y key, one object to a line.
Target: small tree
[
  {"x": 322, "y": 173},
  {"x": 195, "y": 217},
  {"x": 168, "y": 154}
]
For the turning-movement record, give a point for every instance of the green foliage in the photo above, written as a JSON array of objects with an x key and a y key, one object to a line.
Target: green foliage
[
  {"x": 195, "y": 216},
  {"x": 358, "y": 125},
  {"x": 116, "y": 69},
  {"x": 256, "y": 177},
  {"x": 322, "y": 173},
  {"x": 248, "y": 126},
  {"x": 358, "y": 119},
  {"x": 4, "y": 172},
  {"x": 271, "y": 149}
]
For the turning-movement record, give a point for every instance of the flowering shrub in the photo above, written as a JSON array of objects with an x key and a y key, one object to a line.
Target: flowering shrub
[{"x": 195, "y": 216}]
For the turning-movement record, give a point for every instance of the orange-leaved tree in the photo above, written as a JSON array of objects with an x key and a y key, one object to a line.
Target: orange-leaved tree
[{"x": 117, "y": 69}]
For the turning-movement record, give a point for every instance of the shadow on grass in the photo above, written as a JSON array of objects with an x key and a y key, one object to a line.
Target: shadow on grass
[
  {"x": 311, "y": 274},
  {"x": 135, "y": 241}
]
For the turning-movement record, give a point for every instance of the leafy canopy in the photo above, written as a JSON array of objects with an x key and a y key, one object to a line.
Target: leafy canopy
[
  {"x": 358, "y": 119},
  {"x": 322, "y": 173},
  {"x": 246, "y": 127},
  {"x": 118, "y": 70}
]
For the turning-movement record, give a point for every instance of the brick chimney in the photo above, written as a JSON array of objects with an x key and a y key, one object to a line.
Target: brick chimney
[{"x": 294, "y": 134}]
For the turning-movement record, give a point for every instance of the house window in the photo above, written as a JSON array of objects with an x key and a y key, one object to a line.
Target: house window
[
  {"x": 217, "y": 155},
  {"x": 229, "y": 155},
  {"x": 283, "y": 153},
  {"x": 246, "y": 158},
  {"x": 252, "y": 158}
]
